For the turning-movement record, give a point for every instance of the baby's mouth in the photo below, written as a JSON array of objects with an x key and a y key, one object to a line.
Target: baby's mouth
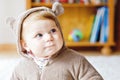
[{"x": 49, "y": 45}]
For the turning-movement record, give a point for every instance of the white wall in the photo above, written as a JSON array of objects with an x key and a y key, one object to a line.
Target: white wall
[{"x": 9, "y": 8}]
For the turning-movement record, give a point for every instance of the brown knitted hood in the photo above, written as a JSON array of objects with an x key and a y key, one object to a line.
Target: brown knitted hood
[{"x": 16, "y": 23}]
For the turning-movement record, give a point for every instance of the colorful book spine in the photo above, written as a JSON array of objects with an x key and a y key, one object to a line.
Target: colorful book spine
[
  {"x": 104, "y": 27},
  {"x": 88, "y": 28},
  {"x": 95, "y": 1},
  {"x": 97, "y": 25},
  {"x": 37, "y": 1}
]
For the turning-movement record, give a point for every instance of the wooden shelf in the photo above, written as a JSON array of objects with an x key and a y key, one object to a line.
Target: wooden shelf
[
  {"x": 69, "y": 5},
  {"x": 87, "y": 44},
  {"x": 76, "y": 19}
]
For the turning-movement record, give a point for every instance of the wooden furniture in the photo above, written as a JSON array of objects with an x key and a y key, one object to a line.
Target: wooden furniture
[{"x": 75, "y": 16}]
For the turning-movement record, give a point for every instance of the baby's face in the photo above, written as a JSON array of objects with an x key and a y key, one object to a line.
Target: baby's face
[{"x": 42, "y": 37}]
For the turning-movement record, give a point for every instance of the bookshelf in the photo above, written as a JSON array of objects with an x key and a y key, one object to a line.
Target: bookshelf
[{"x": 77, "y": 15}]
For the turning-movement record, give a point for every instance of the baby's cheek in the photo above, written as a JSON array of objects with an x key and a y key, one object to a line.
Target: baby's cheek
[{"x": 58, "y": 38}]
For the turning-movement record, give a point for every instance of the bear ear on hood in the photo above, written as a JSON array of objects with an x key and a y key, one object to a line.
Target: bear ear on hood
[
  {"x": 57, "y": 8},
  {"x": 11, "y": 21}
]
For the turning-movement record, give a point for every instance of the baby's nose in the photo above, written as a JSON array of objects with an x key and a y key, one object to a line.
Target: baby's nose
[{"x": 48, "y": 37}]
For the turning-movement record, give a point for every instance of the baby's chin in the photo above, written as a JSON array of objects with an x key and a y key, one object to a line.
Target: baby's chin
[
  {"x": 49, "y": 55},
  {"x": 45, "y": 56},
  {"x": 48, "y": 52}
]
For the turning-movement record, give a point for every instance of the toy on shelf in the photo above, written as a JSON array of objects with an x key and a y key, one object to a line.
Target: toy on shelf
[{"x": 75, "y": 35}]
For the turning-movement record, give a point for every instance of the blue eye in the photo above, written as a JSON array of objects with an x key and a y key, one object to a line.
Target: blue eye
[
  {"x": 39, "y": 35},
  {"x": 53, "y": 30}
]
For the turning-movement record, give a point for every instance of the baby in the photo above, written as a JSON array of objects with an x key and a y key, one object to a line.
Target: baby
[{"x": 45, "y": 57}]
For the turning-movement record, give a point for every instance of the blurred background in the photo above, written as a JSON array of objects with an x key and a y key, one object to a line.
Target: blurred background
[
  {"x": 15, "y": 7},
  {"x": 107, "y": 65}
]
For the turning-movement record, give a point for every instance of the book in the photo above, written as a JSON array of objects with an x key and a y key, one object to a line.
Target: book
[
  {"x": 63, "y": 1},
  {"x": 97, "y": 25},
  {"x": 37, "y": 1},
  {"x": 104, "y": 27},
  {"x": 95, "y": 1},
  {"x": 86, "y": 2},
  {"x": 88, "y": 27},
  {"x": 104, "y": 1},
  {"x": 81, "y": 1}
]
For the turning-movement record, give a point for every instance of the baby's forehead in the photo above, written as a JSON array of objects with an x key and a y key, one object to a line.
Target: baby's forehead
[
  {"x": 32, "y": 17},
  {"x": 39, "y": 15},
  {"x": 41, "y": 23},
  {"x": 41, "y": 26}
]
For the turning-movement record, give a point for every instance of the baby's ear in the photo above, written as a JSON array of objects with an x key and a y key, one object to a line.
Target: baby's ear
[
  {"x": 57, "y": 8},
  {"x": 23, "y": 45},
  {"x": 11, "y": 21}
]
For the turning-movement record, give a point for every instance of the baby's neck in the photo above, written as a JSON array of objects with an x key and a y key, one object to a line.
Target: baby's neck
[{"x": 42, "y": 58}]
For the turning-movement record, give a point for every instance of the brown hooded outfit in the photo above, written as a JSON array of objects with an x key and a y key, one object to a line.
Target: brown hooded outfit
[{"x": 66, "y": 64}]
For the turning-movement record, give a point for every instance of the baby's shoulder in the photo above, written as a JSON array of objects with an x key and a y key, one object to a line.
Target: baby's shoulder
[
  {"x": 73, "y": 53},
  {"x": 25, "y": 67},
  {"x": 25, "y": 63}
]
